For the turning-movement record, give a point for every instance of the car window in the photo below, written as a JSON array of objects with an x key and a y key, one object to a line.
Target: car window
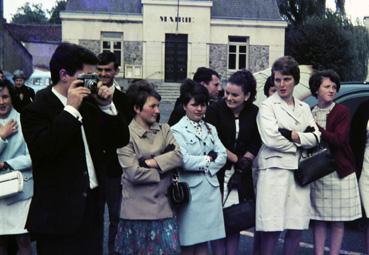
[{"x": 352, "y": 101}]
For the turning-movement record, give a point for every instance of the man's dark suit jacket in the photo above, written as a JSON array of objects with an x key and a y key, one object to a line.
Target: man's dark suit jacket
[
  {"x": 177, "y": 113},
  {"x": 358, "y": 134},
  {"x": 111, "y": 158},
  {"x": 57, "y": 151}
]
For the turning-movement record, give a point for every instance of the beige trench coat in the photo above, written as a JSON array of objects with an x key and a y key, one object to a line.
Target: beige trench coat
[{"x": 144, "y": 189}]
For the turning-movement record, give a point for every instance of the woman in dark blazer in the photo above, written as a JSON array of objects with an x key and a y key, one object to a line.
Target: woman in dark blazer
[
  {"x": 334, "y": 197},
  {"x": 235, "y": 120}
]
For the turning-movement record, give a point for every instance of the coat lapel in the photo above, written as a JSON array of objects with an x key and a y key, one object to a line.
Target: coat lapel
[{"x": 296, "y": 114}]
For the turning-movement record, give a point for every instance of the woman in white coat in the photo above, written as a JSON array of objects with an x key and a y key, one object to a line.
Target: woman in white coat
[
  {"x": 286, "y": 126},
  {"x": 201, "y": 220}
]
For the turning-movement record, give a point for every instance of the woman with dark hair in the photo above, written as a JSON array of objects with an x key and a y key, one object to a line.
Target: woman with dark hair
[
  {"x": 14, "y": 156},
  {"x": 286, "y": 126},
  {"x": 201, "y": 220},
  {"x": 269, "y": 87},
  {"x": 147, "y": 224},
  {"x": 335, "y": 197},
  {"x": 235, "y": 120}
]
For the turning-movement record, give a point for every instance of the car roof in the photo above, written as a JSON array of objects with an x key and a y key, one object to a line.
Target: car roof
[{"x": 346, "y": 89}]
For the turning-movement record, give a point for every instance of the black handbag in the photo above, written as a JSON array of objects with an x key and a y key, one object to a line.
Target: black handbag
[
  {"x": 178, "y": 192},
  {"x": 315, "y": 165},
  {"x": 239, "y": 217}
]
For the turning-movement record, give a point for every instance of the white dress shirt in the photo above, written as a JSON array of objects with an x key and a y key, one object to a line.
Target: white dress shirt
[{"x": 109, "y": 109}]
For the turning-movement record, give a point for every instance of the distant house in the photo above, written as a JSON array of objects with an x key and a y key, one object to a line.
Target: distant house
[
  {"x": 168, "y": 40},
  {"x": 13, "y": 55},
  {"x": 40, "y": 40}
]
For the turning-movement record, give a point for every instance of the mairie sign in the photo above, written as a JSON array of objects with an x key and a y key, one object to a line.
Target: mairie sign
[{"x": 176, "y": 19}]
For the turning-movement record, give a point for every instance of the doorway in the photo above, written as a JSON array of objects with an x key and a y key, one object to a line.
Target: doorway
[{"x": 175, "y": 57}]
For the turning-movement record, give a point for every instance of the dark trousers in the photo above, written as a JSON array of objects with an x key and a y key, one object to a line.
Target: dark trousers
[
  {"x": 87, "y": 240},
  {"x": 113, "y": 196}
]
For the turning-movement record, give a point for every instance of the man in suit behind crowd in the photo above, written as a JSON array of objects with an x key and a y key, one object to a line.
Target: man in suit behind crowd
[
  {"x": 205, "y": 77},
  {"x": 64, "y": 135},
  {"x": 107, "y": 67}
]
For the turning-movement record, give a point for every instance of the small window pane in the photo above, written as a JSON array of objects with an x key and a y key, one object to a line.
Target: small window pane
[
  {"x": 106, "y": 44},
  {"x": 242, "y": 49},
  {"x": 118, "y": 57},
  {"x": 112, "y": 35},
  {"x": 232, "y": 48},
  {"x": 242, "y": 61},
  {"x": 237, "y": 39},
  {"x": 117, "y": 45},
  {"x": 232, "y": 61}
]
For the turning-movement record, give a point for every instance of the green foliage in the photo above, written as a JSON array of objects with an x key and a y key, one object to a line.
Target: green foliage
[
  {"x": 330, "y": 41},
  {"x": 55, "y": 11},
  {"x": 296, "y": 12},
  {"x": 34, "y": 14},
  {"x": 30, "y": 14}
]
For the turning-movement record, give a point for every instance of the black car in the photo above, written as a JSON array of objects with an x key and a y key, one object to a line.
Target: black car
[{"x": 351, "y": 94}]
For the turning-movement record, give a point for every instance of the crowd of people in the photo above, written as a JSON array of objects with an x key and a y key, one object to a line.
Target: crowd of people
[{"x": 80, "y": 148}]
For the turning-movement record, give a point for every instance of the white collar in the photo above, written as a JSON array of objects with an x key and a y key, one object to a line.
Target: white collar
[{"x": 62, "y": 98}]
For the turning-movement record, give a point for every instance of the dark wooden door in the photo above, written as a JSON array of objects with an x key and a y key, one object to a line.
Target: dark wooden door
[{"x": 175, "y": 57}]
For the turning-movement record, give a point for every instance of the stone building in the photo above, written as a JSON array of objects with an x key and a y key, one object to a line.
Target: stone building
[
  {"x": 13, "y": 55},
  {"x": 167, "y": 40},
  {"x": 40, "y": 40}
]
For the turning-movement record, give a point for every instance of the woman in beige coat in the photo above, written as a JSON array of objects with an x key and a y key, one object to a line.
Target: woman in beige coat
[{"x": 146, "y": 222}]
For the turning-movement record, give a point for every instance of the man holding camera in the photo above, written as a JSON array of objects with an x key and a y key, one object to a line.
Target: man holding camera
[
  {"x": 107, "y": 67},
  {"x": 63, "y": 134}
]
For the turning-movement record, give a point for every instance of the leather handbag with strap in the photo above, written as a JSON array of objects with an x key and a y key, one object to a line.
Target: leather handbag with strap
[
  {"x": 315, "y": 165},
  {"x": 178, "y": 192},
  {"x": 11, "y": 183},
  {"x": 238, "y": 217}
]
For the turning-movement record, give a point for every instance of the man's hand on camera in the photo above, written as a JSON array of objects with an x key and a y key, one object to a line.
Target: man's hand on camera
[
  {"x": 76, "y": 93},
  {"x": 104, "y": 95}
]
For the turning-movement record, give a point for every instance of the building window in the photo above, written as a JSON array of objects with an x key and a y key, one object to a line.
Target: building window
[
  {"x": 113, "y": 41},
  {"x": 237, "y": 52}
]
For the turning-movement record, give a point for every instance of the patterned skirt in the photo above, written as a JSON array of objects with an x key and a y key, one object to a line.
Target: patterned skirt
[
  {"x": 147, "y": 237},
  {"x": 335, "y": 199}
]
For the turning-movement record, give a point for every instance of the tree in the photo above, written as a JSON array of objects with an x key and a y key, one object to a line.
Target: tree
[
  {"x": 340, "y": 7},
  {"x": 30, "y": 14},
  {"x": 331, "y": 42},
  {"x": 55, "y": 11},
  {"x": 296, "y": 12}
]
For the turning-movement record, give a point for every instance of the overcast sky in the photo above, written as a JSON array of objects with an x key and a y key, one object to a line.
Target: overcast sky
[{"x": 354, "y": 8}]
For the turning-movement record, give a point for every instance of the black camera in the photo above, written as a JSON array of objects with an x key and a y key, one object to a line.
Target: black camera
[{"x": 89, "y": 81}]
